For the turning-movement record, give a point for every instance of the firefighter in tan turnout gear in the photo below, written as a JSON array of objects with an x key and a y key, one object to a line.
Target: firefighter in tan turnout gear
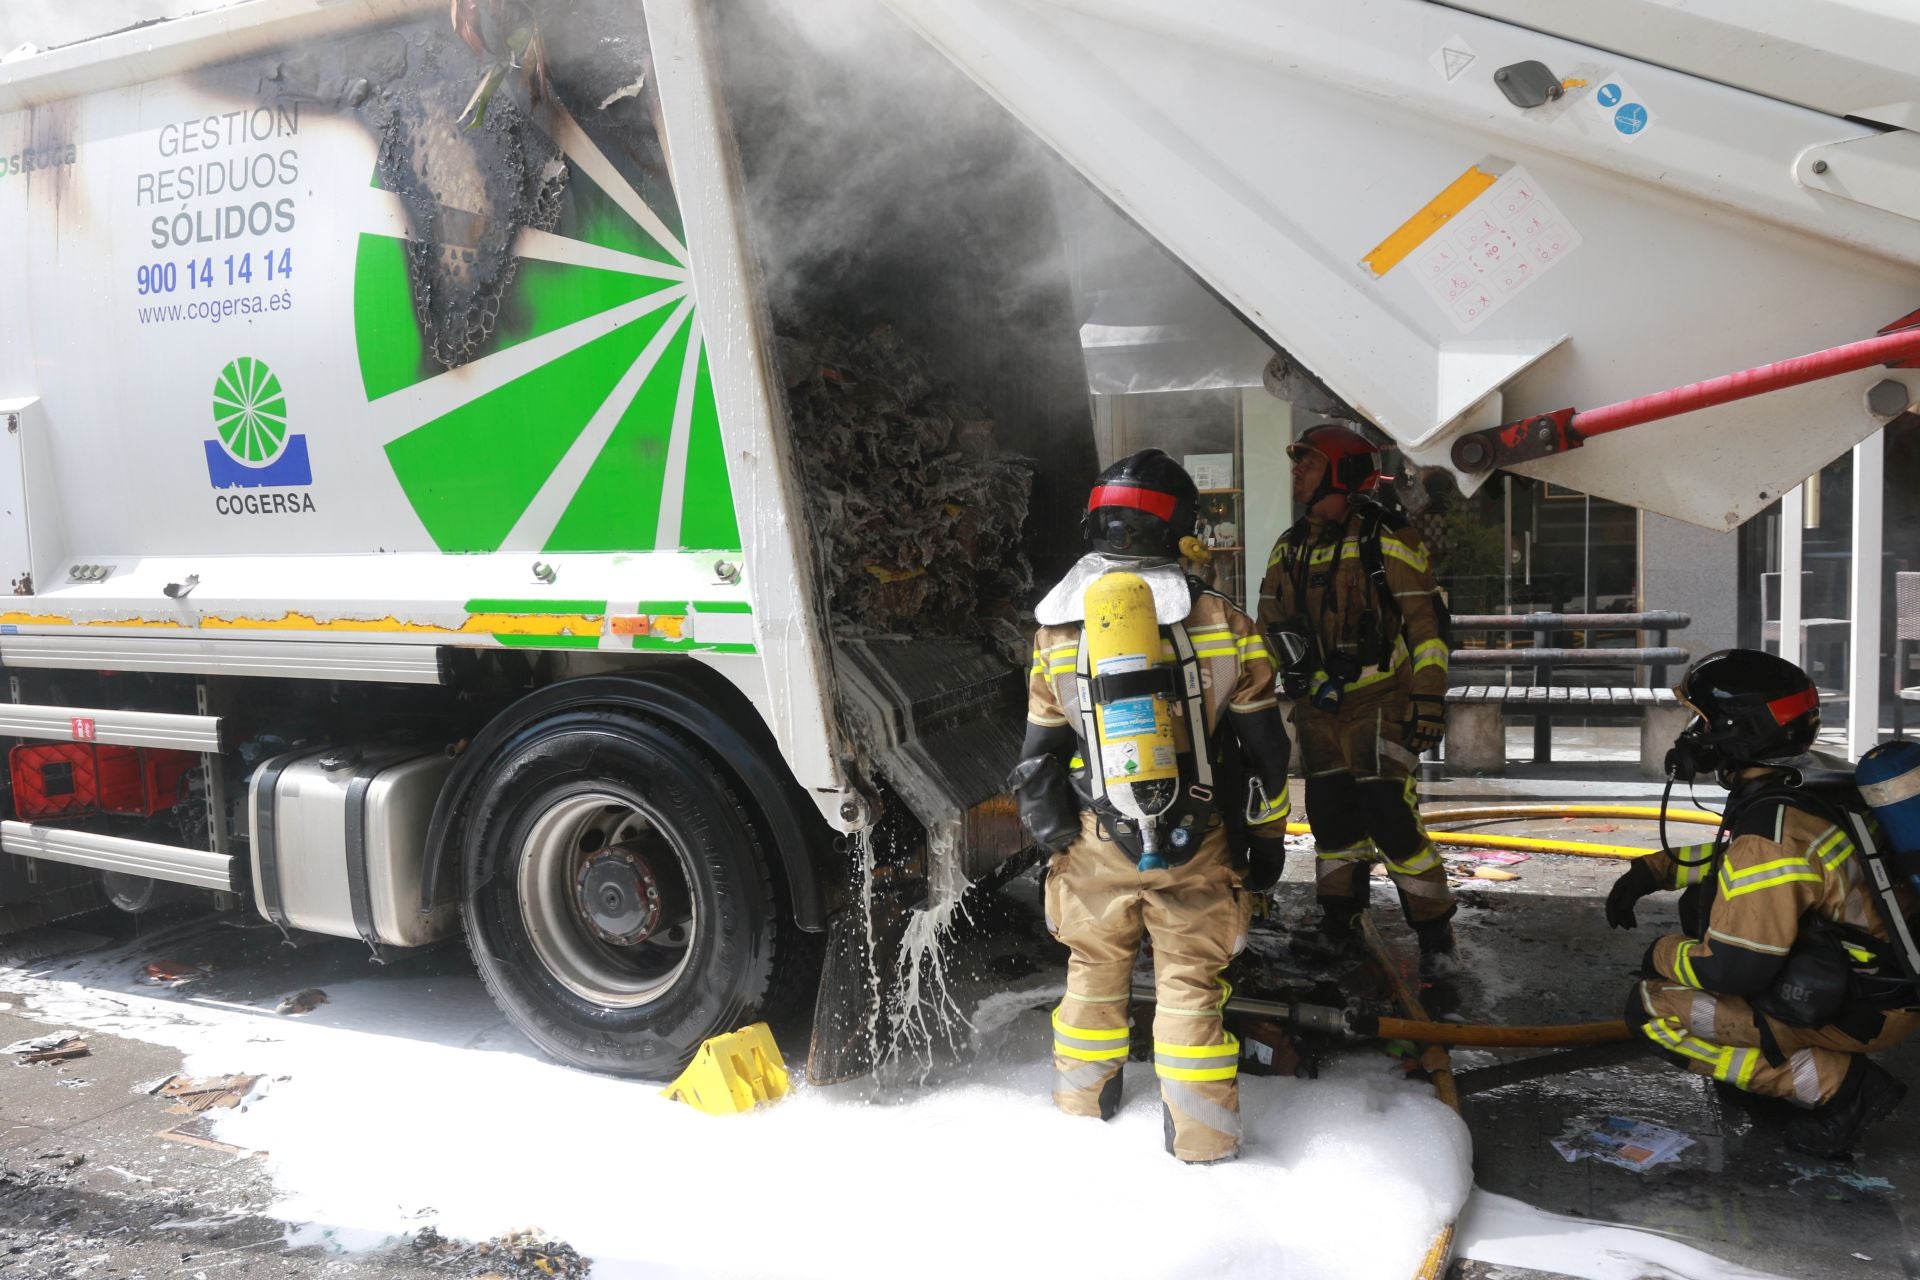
[
  {"x": 1153, "y": 748},
  {"x": 1350, "y": 601},
  {"x": 1783, "y": 977}
]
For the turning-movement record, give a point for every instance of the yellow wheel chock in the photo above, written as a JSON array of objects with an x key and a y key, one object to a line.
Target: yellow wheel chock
[{"x": 733, "y": 1073}]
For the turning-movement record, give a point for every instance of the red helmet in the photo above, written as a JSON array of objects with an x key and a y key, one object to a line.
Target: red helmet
[{"x": 1353, "y": 462}]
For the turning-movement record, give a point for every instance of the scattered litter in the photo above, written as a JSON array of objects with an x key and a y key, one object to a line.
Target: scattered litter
[
  {"x": 192, "y": 1096},
  {"x": 1631, "y": 1144},
  {"x": 172, "y": 973},
  {"x": 1494, "y": 873},
  {"x": 55, "y": 1046},
  {"x": 65, "y": 1159},
  {"x": 1863, "y": 1257},
  {"x": 518, "y": 1255},
  {"x": 69, "y": 1082},
  {"x": 1503, "y": 857},
  {"x": 302, "y": 1001},
  {"x": 1603, "y": 828},
  {"x": 128, "y": 1174},
  {"x": 197, "y": 1131},
  {"x": 1867, "y": 1185}
]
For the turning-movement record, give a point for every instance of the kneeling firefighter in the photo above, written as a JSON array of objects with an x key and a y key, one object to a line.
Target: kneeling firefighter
[
  {"x": 1796, "y": 957},
  {"x": 1149, "y": 704},
  {"x": 1350, "y": 598}
]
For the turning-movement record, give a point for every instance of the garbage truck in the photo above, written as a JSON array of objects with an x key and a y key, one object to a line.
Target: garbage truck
[{"x": 569, "y": 475}]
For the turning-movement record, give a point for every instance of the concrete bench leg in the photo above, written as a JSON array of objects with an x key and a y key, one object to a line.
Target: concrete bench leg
[
  {"x": 1476, "y": 740},
  {"x": 1659, "y": 726}
]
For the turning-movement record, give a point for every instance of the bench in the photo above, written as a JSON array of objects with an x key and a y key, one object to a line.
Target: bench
[{"x": 1477, "y": 737}]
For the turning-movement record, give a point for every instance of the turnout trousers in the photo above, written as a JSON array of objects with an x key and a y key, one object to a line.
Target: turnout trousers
[
  {"x": 1100, "y": 904},
  {"x": 1715, "y": 1035},
  {"x": 1362, "y": 805}
]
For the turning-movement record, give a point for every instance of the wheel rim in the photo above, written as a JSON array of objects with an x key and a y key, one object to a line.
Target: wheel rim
[{"x": 591, "y": 866}]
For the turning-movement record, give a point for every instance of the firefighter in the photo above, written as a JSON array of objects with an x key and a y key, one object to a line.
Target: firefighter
[
  {"x": 1777, "y": 984},
  {"x": 1172, "y": 874},
  {"x": 1350, "y": 598}
]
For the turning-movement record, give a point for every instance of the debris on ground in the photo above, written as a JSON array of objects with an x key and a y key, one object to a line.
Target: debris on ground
[
  {"x": 192, "y": 1096},
  {"x": 194, "y": 1099},
  {"x": 173, "y": 973},
  {"x": 1494, "y": 873},
  {"x": 302, "y": 1002},
  {"x": 1631, "y": 1144},
  {"x": 55, "y": 1046},
  {"x": 916, "y": 506},
  {"x": 519, "y": 1255}
]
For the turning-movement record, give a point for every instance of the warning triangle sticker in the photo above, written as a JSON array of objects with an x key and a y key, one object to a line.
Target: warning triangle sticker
[{"x": 1457, "y": 60}]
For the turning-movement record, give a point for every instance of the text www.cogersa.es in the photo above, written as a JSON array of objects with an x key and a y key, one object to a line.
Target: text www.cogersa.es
[{"x": 214, "y": 310}]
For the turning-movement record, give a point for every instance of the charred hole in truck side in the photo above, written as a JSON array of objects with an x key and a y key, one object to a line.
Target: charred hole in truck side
[{"x": 928, "y": 350}]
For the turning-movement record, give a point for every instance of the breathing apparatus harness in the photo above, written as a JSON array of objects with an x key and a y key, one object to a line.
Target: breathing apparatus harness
[
  {"x": 1187, "y": 810},
  {"x": 1836, "y": 973},
  {"x": 1380, "y": 626}
]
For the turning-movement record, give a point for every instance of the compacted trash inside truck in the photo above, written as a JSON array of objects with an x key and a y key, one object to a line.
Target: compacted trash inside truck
[{"x": 413, "y": 529}]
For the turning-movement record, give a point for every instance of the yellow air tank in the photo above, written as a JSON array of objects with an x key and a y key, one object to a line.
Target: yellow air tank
[{"x": 1135, "y": 748}]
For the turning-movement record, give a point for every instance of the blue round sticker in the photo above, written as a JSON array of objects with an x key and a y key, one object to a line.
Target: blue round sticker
[
  {"x": 1631, "y": 118},
  {"x": 1608, "y": 94}
]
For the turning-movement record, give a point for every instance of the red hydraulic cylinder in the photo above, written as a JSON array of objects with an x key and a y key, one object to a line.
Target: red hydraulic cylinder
[{"x": 1551, "y": 433}]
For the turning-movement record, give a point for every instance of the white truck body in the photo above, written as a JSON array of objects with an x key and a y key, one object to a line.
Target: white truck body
[
  {"x": 303, "y": 383},
  {"x": 1353, "y": 181}
]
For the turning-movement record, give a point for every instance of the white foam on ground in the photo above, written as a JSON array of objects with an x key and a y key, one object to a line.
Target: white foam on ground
[
  {"x": 1506, "y": 1232},
  {"x": 408, "y": 1101}
]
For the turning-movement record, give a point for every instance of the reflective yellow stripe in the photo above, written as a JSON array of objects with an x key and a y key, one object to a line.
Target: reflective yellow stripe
[
  {"x": 1362, "y": 852},
  {"x": 1683, "y": 964},
  {"x": 1039, "y": 664},
  {"x": 1691, "y": 864},
  {"x": 1425, "y": 860},
  {"x": 1273, "y": 811},
  {"x": 1211, "y": 633},
  {"x": 1403, "y": 553},
  {"x": 1089, "y": 1044},
  {"x": 1252, "y": 647},
  {"x": 1430, "y": 653},
  {"x": 1227, "y": 651},
  {"x": 1735, "y": 1066},
  {"x": 1765, "y": 875},
  {"x": 1834, "y": 848},
  {"x": 1198, "y": 1061}
]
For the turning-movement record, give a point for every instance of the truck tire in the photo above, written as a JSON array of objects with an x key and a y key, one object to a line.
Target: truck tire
[{"x": 617, "y": 899}]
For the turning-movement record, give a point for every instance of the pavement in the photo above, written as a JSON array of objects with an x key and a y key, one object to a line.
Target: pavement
[{"x": 89, "y": 1184}]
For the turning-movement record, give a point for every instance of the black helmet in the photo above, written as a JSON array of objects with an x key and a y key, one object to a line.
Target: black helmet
[
  {"x": 1141, "y": 506},
  {"x": 1752, "y": 706}
]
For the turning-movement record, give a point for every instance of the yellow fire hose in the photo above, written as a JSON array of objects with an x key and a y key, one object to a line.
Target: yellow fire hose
[{"x": 1530, "y": 844}]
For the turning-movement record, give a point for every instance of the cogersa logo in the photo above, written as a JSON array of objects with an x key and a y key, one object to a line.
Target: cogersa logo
[{"x": 254, "y": 449}]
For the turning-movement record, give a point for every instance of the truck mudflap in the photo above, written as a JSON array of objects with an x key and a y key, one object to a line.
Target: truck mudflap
[{"x": 941, "y": 722}]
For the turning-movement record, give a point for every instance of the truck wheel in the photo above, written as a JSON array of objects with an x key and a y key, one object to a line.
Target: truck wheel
[{"x": 617, "y": 901}]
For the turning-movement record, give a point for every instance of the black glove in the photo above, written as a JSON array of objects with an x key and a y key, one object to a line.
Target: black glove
[
  {"x": 1426, "y": 724},
  {"x": 1048, "y": 806},
  {"x": 1266, "y": 859},
  {"x": 1635, "y": 883}
]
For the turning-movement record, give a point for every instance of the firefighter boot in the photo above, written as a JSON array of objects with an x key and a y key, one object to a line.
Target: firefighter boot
[
  {"x": 1439, "y": 959},
  {"x": 1336, "y": 940},
  {"x": 1831, "y": 1130}
]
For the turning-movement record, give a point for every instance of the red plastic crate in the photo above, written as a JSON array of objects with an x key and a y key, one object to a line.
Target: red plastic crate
[{"x": 74, "y": 778}]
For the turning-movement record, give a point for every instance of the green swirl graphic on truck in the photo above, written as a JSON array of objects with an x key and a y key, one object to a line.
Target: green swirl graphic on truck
[{"x": 590, "y": 424}]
